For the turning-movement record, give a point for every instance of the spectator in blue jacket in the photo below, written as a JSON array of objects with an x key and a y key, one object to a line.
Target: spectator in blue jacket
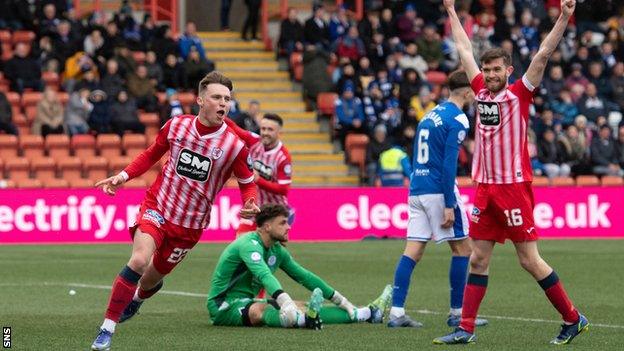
[
  {"x": 190, "y": 39},
  {"x": 349, "y": 114}
]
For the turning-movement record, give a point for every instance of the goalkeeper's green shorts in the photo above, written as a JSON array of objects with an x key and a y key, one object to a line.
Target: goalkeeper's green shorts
[{"x": 234, "y": 312}]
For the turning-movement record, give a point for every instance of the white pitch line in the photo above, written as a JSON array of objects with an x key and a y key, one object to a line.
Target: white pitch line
[
  {"x": 189, "y": 294},
  {"x": 522, "y": 319}
]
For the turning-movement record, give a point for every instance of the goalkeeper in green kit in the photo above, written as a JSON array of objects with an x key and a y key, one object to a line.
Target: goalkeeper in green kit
[{"x": 248, "y": 264}]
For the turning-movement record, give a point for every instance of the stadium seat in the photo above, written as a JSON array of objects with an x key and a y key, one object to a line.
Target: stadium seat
[
  {"x": 7, "y": 184},
  {"x": 139, "y": 183},
  {"x": 138, "y": 56},
  {"x": 31, "y": 98},
  {"x": 186, "y": 99},
  {"x": 562, "y": 181},
  {"x": 465, "y": 182},
  {"x": 8, "y": 146},
  {"x": 295, "y": 59},
  {"x": 22, "y": 36},
  {"x": 83, "y": 146},
  {"x": 57, "y": 146},
  {"x": 81, "y": 183},
  {"x": 31, "y": 113},
  {"x": 14, "y": 100},
  {"x": 27, "y": 183},
  {"x": 95, "y": 168},
  {"x": 32, "y": 146},
  {"x": 436, "y": 77},
  {"x": 151, "y": 122},
  {"x": 51, "y": 79},
  {"x": 55, "y": 183},
  {"x": 355, "y": 147},
  {"x": 612, "y": 181},
  {"x": 325, "y": 103},
  {"x": 133, "y": 144},
  {"x": 7, "y": 51},
  {"x": 43, "y": 168},
  {"x": 70, "y": 168},
  {"x": 541, "y": 181},
  {"x": 298, "y": 73},
  {"x": 22, "y": 123},
  {"x": 5, "y": 36},
  {"x": 587, "y": 180},
  {"x": 117, "y": 164},
  {"x": 109, "y": 145},
  {"x": 17, "y": 168}
]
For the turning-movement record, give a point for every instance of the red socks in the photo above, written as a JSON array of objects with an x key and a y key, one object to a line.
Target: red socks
[
  {"x": 557, "y": 295},
  {"x": 123, "y": 290},
  {"x": 473, "y": 295}
]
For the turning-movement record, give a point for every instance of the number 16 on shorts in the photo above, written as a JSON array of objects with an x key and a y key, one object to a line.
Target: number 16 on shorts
[{"x": 514, "y": 217}]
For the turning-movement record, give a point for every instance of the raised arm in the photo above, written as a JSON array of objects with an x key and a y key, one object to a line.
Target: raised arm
[
  {"x": 462, "y": 42},
  {"x": 535, "y": 72}
]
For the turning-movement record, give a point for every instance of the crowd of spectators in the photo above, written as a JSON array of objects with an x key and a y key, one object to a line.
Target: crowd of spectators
[
  {"x": 111, "y": 65},
  {"x": 385, "y": 69}
]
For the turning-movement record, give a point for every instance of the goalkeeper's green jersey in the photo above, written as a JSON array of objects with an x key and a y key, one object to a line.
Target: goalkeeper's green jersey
[{"x": 246, "y": 266}]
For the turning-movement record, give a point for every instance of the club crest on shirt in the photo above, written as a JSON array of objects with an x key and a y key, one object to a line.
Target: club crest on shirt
[
  {"x": 489, "y": 113},
  {"x": 272, "y": 260},
  {"x": 193, "y": 165},
  {"x": 265, "y": 171},
  {"x": 288, "y": 169},
  {"x": 154, "y": 217},
  {"x": 475, "y": 214},
  {"x": 216, "y": 153}
]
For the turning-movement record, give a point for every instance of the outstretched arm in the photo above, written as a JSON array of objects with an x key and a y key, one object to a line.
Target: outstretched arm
[
  {"x": 462, "y": 42},
  {"x": 535, "y": 72}
]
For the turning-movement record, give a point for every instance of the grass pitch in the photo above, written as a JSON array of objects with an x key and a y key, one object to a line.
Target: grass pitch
[{"x": 36, "y": 280}]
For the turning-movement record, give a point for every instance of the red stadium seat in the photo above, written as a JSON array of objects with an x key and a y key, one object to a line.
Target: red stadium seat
[
  {"x": 563, "y": 181},
  {"x": 81, "y": 183},
  {"x": 138, "y": 56},
  {"x": 612, "y": 181},
  {"x": 541, "y": 181},
  {"x": 8, "y": 146},
  {"x": 133, "y": 144},
  {"x": 151, "y": 122},
  {"x": 117, "y": 164},
  {"x": 83, "y": 146},
  {"x": 109, "y": 145},
  {"x": 7, "y": 184},
  {"x": 355, "y": 147},
  {"x": 17, "y": 168},
  {"x": 22, "y": 123},
  {"x": 70, "y": 168},
  {"x": 187, "y": 99},
  {"x": 23, "y": 36},
  {"x": 55, "y": 183},
  {"x": 296, "y": 59},
  {"x": 27, "y": 183},
  {"x": 43, "y": 168},
  {"x": 436, "y": 77},
  {"x": 57, "y": 146},
  {"x": 298, "y": 73},
  {"x": 5, "y": 36},
  {"x": 325, "y": 103},
  {"x": 96, "y": 168},
  {"x": 31, "y": 98},
  {"x": 51, "y": 79},
  {"x": 32, "y": 146},
  {"x": 587, "y": 180}
]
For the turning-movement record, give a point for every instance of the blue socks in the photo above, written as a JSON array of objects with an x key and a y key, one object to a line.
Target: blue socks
[
  {"x": 402, "y": 276},
  {"x": 457, "y": 279}
]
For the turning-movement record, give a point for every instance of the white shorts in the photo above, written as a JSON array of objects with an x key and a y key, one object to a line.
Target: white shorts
[{"x": 426, "y": 213}]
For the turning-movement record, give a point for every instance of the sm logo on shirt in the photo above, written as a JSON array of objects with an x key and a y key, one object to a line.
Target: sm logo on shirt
[
  {"x": 193, "y": 165},
  {"x": 265, "y": 171},
  {"x": 489, "y": 113}
]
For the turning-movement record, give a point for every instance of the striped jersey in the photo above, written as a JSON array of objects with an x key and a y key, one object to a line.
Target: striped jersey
[
  {"x": 501, "y": 155},
  {"x": 273, "y": 165},
  {"x": 197, "y": 168}
]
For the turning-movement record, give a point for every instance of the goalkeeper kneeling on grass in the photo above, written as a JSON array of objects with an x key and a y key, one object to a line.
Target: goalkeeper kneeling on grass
[{"x": 248, "y": 264}]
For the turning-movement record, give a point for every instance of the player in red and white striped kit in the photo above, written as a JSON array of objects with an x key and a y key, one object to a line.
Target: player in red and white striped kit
[
  {"x": 271, "y": 162},
  {"x": 204, "y": 152},
  {"x": 503, "y": 206}
]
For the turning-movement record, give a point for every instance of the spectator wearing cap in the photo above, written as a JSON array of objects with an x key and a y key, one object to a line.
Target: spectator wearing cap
[
  {"x": 189, "y": 40},
  {"x": 100, "y": 115},
  {"x": 349, "y": 113},
  {"x": 350, "y": 45},
  {"x": 378, "y": 144},
  {"x": 23, "y": 70},
  {"x": 250, "y": 119},
  {"x": 604, "y": 154},
  {"x": 316, "y": 29},
  {"x": 291, "y": 33},
  {"x": 125, "y": 117},
  {"x": 338, "y": 24},
  {"x": 409, "y": 25},
  {"x": 411, "y": 59},
  {"x": 591, "y": 105}
]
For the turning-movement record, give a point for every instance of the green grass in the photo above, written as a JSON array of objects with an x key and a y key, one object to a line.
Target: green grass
[{"x": 34, "y": 299}]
